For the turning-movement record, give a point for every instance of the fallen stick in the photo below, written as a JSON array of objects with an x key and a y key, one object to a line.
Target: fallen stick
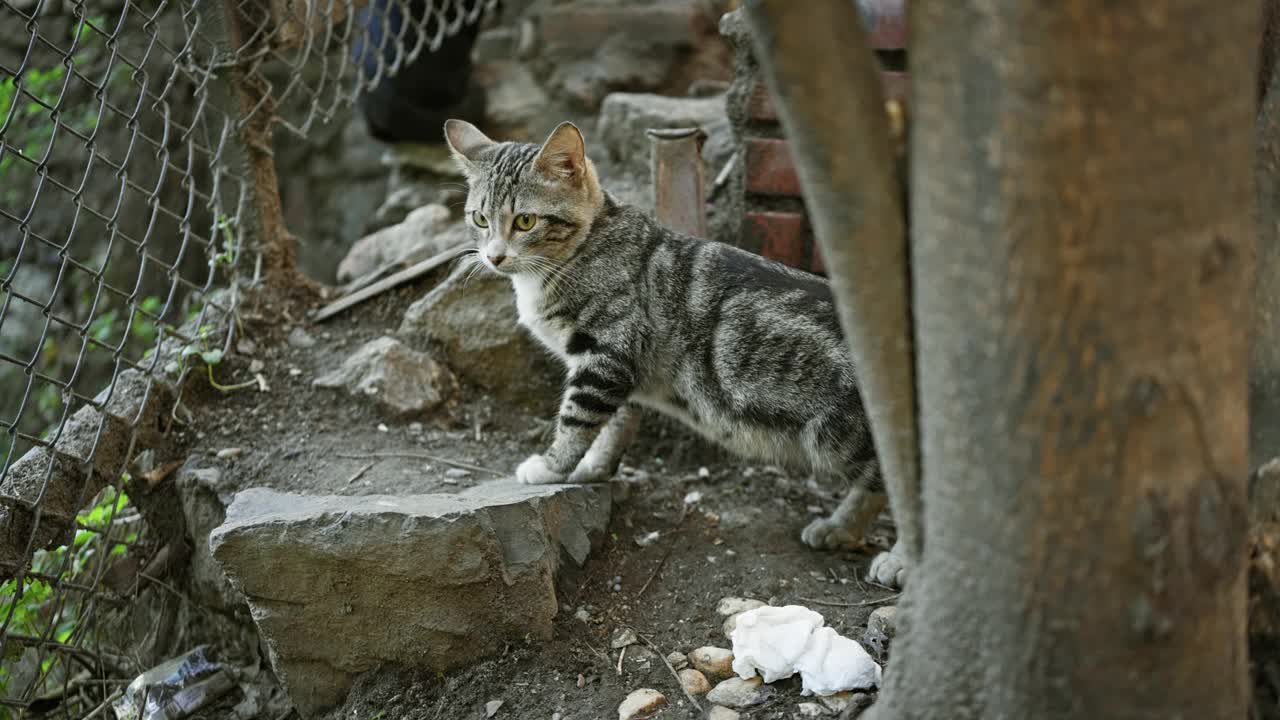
[
  {"x": 692, "y": 700},
  {"x": 864, "y": 603},
  {"x": 390, "y": 282},
  {"x": 421, "y": 456}
]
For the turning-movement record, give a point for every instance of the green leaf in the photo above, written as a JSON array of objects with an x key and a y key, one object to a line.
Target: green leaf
[{"x": 211, "y": 357}]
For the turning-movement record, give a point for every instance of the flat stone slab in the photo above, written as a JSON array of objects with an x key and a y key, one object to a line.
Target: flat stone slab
[{"x": 339, "y": 585}]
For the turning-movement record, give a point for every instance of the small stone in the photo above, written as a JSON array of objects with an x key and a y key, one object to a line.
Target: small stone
[
  {"x": 693, "y": 498},
  {"x": 648, "y": 539},
  {"x": 713, "y": 661},
  {"x": 704, "y": 473},
  {"x": 722, "y": 713},
  {"x": 230, "y": 453},
  {"x": 256, "y": 366},
  {"x": 677, "y": 661},
  {"x": 694, "y": 682},
  {"x": 884, "y": 619},
  {"x": 810, "y": 709},
  {"x": 623, "y": 637},
  {"x": 583, "y": 615},
  {"x": 382, "y": 427},
  {"x": 415, "y": 428},
  {"x": 642, "y": 703},
  {"x": 456, "y": 473},
  {"x": 294, "y": 372},
  {"x": 300, "y": 339},
  {"x": 838, "y": 702},
  {"x": 491, "y": 708},
  {"x": 734, "y": 605},
  {"x": 402, "y": 381},
  {"x": 738, "y": 693}
]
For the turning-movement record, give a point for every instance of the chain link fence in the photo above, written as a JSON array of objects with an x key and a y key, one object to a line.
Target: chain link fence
[{"x": 138, "y": 207}]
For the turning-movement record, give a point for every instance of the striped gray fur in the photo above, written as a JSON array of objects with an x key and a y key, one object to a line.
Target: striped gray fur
[{"x": 746, "y": 351}]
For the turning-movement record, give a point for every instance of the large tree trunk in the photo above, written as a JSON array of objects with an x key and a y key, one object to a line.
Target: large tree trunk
[{"x": 1082, "y": 238}]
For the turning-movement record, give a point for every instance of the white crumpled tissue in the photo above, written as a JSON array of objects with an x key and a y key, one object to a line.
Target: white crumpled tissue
[{"x": 778, "y": 642}]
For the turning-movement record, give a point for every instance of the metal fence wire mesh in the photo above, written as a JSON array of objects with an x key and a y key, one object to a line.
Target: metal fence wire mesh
[{"x": 129, "y": 230}]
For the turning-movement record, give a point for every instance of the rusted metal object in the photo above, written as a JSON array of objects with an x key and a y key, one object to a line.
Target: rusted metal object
[{"x": 678, "y": 180}]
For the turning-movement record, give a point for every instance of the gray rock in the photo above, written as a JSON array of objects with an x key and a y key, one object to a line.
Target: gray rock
[
  {"x": 204, "y": 498},
  {"x": 624, "y": 118},
  {"x": 473, "y": 323},
  {"x": 426, "y": 231},
  {"x": 400, "y": 380},
  {"x": 722, "y": 713},
  {"x": 514, "y": 97},
  {"x": 885, "y": 620},
  {"x": 340, "y": 585},
  {"x": 738, "y": 693}
]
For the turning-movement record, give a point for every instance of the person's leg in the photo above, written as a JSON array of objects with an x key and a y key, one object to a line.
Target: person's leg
[{"x": 412, "y": 105}]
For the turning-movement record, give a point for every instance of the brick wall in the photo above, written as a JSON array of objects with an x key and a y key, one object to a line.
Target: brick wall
[{"x": 767, "y": 198}]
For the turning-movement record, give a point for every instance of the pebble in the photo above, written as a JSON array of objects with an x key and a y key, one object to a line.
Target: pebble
[
  {"x": 294, "y": 372},
  {"x": 642, "y": 703},
  {"x": 229, "y": 453},
  {"x": 838, "y": 702},
  {"x": 583, "y": 615},
  {"x": 885, "y": 620},
  {"x": 300, "y": 339},
  {"x": 491, "y": 708},
  {"x": 722, "y": 713},
  {"x": 693, "y": 498},
  {"x": 713, "y": 661},
  {"x": 457, "y": 473},
  {"x": 648, "y": 539},
  {"x": 415, "y": 428},
  {"x": 810, "y": 709},
  {"x": 738, "y": 693},
  {"x": 678, "y": 661},
  {"x": 704, "y": 472},
  {"x": 257, "y": 366},
  {"x": 382, "y": 427},
  {"x": 734, "y": 605},
  {"x": 623, "y": 637},
  {"x": 694, "y": 682}
]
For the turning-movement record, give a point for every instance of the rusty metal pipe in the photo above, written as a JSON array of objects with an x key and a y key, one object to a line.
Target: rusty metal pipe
[
  {"x": 678, "y": 179},
  {"x": 840, "y": 140}
]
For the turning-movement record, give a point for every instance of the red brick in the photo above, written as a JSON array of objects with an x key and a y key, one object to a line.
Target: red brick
[
  {"x": 760, "y": 106},
  {"x": 781, "y": 236},
  {"x": 815, "y": 262},
  {"x": 769, "y": 168}
]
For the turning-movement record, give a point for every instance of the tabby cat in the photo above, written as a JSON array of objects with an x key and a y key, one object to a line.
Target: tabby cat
[{"x": 746, "y": 351}]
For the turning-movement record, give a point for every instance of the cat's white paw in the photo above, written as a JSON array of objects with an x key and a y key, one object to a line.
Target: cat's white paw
[
  {"x": 829, "y": 534},
  {"x": 534, "y": 471},
  {"x": 889, "y": 568},
  {"x": 593, "y": 468}
]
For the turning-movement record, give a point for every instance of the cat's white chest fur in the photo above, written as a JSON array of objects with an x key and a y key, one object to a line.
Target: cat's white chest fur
[{"x": 528, "y": 310}]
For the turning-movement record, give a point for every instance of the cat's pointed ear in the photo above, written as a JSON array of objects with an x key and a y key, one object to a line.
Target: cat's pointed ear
[
  {"x": 564, "y": 154},
  {"x": 466, "y": 142}
]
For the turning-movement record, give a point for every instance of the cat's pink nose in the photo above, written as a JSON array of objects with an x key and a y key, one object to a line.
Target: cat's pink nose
[{"x": 496, "y": 259}]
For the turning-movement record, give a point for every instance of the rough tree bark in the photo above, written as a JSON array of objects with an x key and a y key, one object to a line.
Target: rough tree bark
[
  {"x": 1264, "y": 375},
  {"x": 837, "y": 128},
  {"x": 1081, "y": 250},
  {"x": 1082, "y": 244}
]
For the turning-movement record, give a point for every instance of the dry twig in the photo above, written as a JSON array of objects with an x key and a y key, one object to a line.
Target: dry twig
[
  {"x": 421, "y": 456},
  {"x": 864, "y": 603},
  {"x": 662, "y": 656}
]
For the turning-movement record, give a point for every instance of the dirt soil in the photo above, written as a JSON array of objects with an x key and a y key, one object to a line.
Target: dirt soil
[{"x": 724, "y": 528}]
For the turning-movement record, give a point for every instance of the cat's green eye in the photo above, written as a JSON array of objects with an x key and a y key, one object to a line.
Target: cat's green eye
[
  {"x": 479, "y": 219},
  {"x": 526, "y": 221}
]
